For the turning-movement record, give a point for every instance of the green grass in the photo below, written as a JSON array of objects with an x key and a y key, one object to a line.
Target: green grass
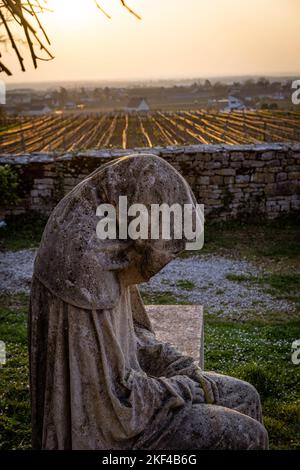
[
  {"x": 282, "y": 286},
  {"x": 260, "y": 353},
  {"x": 185, "y": 284},
  {"x": 257, "y": 351},
  {"x": 14, "y": 387},
  {"x": 164, "y": 298}
]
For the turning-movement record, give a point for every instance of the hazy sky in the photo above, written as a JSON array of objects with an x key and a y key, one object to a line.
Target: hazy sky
[{"x": 176, "y": 38}]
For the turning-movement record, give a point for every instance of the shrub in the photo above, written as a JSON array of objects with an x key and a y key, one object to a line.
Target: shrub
[{"x": 9, "y": 182}]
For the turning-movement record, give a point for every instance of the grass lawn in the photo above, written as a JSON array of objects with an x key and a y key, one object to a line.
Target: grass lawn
[{"x": 257, "y": 350}]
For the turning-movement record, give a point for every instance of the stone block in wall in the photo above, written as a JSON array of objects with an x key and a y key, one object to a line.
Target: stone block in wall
[
  {"x": 295, "y": 205},
  {"x": 273, "y": 169},
  {"x": 69, "y": 180},
  {"x": 270, "y": 189},
  {"x": 253, "y": 163},
  {"x": 286, "y": 188},
  {"x": 203, "y": 180},
  {"x": 43, "y": 181},
  {"x": 235, "y": 165},
  {"x": 235, "y": 189},
  {"x": 229, "y": 179},
  {"x": 226, "y": 172},
  {"x": 212, "y": 165},
  {"x": 258, "y": 177},
  {"x": 273, "y": 163},
  {"x": 284, "y": 205},
  {"x": 242, "y": 179},
  {"x": 237, "y": 157},
  {"x": 217, "y": 179},
  {"x": 281, "y": 176},
  {"x": 294, "y": 168},
  {"x": 269, "y": 178},
  {"x": 210, "y": 202},
  {"x": 214, "y": 195},
  {"x": 267, "y": 155}
]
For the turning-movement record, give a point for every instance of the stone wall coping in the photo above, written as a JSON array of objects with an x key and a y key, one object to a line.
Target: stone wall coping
[{"x": 37, "y": 157}]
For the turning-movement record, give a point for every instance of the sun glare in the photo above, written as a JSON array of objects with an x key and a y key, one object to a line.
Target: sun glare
[{"x": 72, "y": 12}]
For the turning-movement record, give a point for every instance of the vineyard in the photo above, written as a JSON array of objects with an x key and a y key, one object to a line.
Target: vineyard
[{"x": 76, "y": 132}]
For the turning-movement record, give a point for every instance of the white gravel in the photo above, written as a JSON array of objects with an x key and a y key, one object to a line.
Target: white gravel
[
  {"x": 212, "y": 289},
  {"x": 208, "y": 274}
]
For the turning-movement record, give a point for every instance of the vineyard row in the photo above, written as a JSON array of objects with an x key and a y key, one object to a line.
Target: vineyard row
[{"x": 96, "y": 131}]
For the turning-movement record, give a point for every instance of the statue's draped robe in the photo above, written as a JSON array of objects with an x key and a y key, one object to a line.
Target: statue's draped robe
[
  {"x": 90, "y": 391},
  {"x": 87, "y": 333}
]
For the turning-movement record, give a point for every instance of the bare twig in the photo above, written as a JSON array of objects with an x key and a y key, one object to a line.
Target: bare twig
[
  {"x": 102, "y": 10},
  {"x": 130, "y": 10},
  {"x": 5, "y": 69}
]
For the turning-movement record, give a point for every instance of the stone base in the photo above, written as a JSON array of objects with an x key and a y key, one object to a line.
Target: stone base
[{"x": 180, "y": 325}]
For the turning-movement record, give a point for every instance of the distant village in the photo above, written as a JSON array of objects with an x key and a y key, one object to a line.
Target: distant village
[{"x": 247, "y": 95}]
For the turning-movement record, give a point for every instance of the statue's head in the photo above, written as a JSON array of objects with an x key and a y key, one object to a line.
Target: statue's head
[{"x": 149, "y": 183}]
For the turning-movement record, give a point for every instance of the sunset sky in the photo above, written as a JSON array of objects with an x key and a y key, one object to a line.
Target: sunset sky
[{"x": 175, "y": 39}]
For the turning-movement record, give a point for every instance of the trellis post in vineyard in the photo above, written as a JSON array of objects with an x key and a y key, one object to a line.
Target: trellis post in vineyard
[
  {"x": 295, "y": 134},
  {"x": 265, "y": 131},
  {"x": 64, "y": 143},
  {"x": 244, "y": 128},
  {"x": 22, "y": 138}
]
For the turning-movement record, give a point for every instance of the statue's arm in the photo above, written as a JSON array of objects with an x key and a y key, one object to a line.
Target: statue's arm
[
  {"x": 158, "y": 358},
  {"x": 162, "y": 359}
]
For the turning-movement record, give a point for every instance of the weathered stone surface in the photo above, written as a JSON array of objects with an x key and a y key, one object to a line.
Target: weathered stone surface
[{"x": 100, "y": 379}]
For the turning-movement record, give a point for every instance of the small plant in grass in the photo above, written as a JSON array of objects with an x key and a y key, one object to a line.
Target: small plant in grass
[
  {"x": 163, "y": 298},
  {"x": 185, "y": 284},
  {"x": 9, "y": 183}
]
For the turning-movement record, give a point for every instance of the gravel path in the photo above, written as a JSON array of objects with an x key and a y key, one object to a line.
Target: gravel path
[
  {"x": 16, "y": 269},
  {"x": 209, "y": 287}
]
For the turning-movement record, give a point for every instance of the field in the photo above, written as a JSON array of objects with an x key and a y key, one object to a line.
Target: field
[{"x": 74, "y": 132}]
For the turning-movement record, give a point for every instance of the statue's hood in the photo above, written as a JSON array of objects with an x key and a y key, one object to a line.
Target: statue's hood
[{"x": 72, "y": 262}]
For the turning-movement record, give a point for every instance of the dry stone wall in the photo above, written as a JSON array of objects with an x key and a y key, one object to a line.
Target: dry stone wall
[{"x": 231, "y": 181}]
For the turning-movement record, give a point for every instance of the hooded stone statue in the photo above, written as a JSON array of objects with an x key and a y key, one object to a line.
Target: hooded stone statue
[{"x": 99, "y": 378}]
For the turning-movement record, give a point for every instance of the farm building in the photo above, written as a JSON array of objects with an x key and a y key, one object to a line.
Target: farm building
[
  {"x": 234, "y": 104},
  {"x": 137, "y": 105}
]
